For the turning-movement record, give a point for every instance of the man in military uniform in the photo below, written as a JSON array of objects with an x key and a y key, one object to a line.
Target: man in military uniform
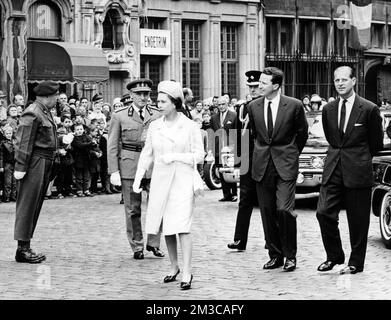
[
  {"x": 36, "y": 146},
  {"x": 127, "y": 135},
  {"x": 248, "y": 193}
]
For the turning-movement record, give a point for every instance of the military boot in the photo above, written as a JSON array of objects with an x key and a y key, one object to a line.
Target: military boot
[{"x": 27, "y": 255}]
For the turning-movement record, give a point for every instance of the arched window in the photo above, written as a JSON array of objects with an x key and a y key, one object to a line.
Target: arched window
[
  {"x": 45, "y": 21},
  {"x": 112, "y": 30}
]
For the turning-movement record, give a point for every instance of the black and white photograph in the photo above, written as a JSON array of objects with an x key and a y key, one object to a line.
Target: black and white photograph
[{"x": 195, "y": 156}]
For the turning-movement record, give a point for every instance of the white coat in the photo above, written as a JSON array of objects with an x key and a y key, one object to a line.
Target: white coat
[{"x": 171, "y": 197}]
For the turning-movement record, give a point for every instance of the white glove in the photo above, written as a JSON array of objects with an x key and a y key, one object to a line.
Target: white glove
[
  {"x": 168, "y": 158},
  {"x": 115, "y": 179},
  {"x": 19, "y": 175},
  {"x": 136, "y": 186}
]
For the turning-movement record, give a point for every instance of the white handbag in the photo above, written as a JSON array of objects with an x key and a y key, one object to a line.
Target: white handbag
[{"x": 198, "y": 183}]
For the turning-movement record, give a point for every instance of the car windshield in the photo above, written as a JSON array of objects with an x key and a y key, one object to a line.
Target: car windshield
[{"x": 316, "y": 136}]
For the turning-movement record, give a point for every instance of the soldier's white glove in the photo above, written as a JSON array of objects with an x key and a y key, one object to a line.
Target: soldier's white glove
[
  {"x": 115, "y": 179},
  {"x": 136, "y": 186},
  {"x": 19, "y": 175}
]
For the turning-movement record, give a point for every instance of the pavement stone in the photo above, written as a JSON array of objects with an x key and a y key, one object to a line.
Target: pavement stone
[{"x": 88, "y": 257}]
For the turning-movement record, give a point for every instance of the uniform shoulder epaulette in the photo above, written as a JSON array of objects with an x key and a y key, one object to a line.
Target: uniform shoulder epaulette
[
  {"x": 152, "y": 110},
  {"x": 121, "y": 109},
  {"x": 32, "y": 107}
]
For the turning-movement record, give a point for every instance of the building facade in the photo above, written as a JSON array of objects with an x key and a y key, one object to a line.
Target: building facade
[
  {"x": 309, "y": 39},
  {"x": 98, "y": 46}
]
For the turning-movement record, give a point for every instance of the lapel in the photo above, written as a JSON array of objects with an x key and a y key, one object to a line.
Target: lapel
[
  {"x": 227, "y": 118},
  {"x": 280, "y": 114},
  {"x": 260, "y": 111},
  {"x": 333, "y": 120},
  {"x": 354, "y": 115}
]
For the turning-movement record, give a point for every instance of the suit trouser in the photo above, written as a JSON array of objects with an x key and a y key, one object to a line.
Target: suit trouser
[
  {"x": 247, "y": 201},
  {"x": 276, "y": 199},
  {"x": 132, "y": 201},
  {"x": 358, "y": 204},
  {"x": 30, "y": 195},
  {"x": 229, "y": 189}
]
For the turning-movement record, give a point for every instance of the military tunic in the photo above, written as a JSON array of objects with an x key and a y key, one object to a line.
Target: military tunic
[
  {"x": 127, "y": 135},
  {"x": 35, "y": 149}
]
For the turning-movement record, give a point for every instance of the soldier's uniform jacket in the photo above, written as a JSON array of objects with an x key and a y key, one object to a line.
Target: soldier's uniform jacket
[
  {"x": 127, "y": 135},
  {"x": 36, "y": 133}
]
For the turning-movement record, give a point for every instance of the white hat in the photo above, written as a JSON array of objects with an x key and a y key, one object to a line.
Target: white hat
[
  {"x": 172, "y": 88},
  {"x": 116, "y": 101}
]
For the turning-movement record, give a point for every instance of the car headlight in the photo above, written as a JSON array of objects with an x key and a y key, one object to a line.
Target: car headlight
[
  {"x": 300, "y": 178},
  {"x": 317, "y": 162}
]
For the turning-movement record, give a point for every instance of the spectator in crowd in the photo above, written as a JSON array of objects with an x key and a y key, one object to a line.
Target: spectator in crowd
[
  {"x": 12, "y": 117},
  {"x": 81, "y": 116},
  {"x": 214, "y": 108},
  {"x": 84, "y": 102},
  {"x": 20, "y": 109},
  {"x": 81, "y": 145},
  {"x": 95, "y": 156},
  {"x": 7, "y": 164},
  {"x": 97, "y": 102},
  {"x": 206, "y": 120},
  {"x": 316, "y": 102},
  {"x": 188, "y": 95},
  {"x": 62, "y": 98},
  {"x": 19, "y": 100},
  {"x": 67, "y": 123},
  {"x": 198, "y": 109},
  {"x": 64, "y": 179},
  {"x": 117, "y": 104},
  {"x": 3, "y": 106},
  {"x": 306, "y": 103},
  {"x": 56, "y": 118},
  {"x": 104, "y": 176}
]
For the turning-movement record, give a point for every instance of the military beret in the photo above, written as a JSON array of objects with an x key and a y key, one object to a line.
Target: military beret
[
  {"x": 253, "y": 77},
  {"x": 46, "y": 88},
  {"x": 97, "y": 97},
  {"x": 174, "y": 89},
  {"x": 140, "y": 85}
]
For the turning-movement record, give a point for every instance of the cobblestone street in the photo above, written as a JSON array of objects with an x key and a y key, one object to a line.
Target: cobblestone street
[{"x": 88, "y": 257}]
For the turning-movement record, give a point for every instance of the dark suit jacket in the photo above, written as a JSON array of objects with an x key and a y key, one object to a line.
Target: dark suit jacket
[
  {"x": 289, "y": 137},
  {"x": 229, "y": 125},
  {"x": 362, "y": 139}
]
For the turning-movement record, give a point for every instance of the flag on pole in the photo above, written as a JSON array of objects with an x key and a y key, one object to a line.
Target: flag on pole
[{"x": 360, "y": 24}]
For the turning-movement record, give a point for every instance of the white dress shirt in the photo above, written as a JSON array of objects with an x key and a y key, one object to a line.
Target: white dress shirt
[
  {"x": 274, "y": 106},
  {"x": 349, "y": 105}
]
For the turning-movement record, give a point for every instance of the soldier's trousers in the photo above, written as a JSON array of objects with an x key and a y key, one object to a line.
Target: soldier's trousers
[
  {"x": 132, "y": 203},
  {"x": 30, "y": 195}
]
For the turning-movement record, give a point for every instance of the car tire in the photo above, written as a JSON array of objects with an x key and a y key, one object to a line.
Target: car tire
[
  {"x": 385, "y": 220},
  {"x": 211, "y": 176}
]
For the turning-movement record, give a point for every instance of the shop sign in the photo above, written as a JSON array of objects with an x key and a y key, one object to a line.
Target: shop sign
[{"x": 155, "y": 42}]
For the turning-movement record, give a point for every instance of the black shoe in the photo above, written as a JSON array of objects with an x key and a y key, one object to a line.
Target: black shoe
[
  {"x": 351, "y": 270},
  {"x": 138, "y": 255},
  {"x": 171, "y": 278},
  {"x": 329, "y": 265},
  {"x": 290, "y": 264},
  {"x": 27, "y": 255},
  {"x": 274, "y": 263},
  {"x": 156, "y": 251},
  {"x": 6, "y": 200},
  {"x": 225, "y": 199},
  {"x": 235, "y": 245},
  {"x": 186, "y": 285},
  {"x": 234, "y": 199},
  {"x": 122, "y": 201}
]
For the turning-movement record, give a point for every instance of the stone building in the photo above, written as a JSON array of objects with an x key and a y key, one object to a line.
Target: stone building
[{"x": 98, "y": 46}]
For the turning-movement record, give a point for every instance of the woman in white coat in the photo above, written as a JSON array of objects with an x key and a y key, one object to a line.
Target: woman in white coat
[{"x": 172, "y": 146}]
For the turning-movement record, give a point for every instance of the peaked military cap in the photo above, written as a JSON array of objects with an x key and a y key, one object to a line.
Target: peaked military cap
[
  {"x": 140, "y": 85},
  {"x": 253, "y": 77},
  {"x": 97, "y": 97},
  {"x": 126, "y": 98},
  {"x": 46, "y": 88}
]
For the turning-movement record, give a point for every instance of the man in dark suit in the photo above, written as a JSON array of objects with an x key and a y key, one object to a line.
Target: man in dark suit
[
  {"x": 35, "y": 150},
  {"x": 281, "y": 131},
  {"x": 248, "y": 193},
  {"x": 222, "y": 123},
  {"x": 353, "y": 129}
]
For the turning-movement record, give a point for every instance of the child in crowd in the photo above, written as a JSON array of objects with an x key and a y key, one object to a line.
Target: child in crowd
[
  {"x": 95, "y": 156},
  {"x": 64, "y": 179},
  {"x": 104, "y": 176},
  {"x": 81, "y": 145},
  {"x": 7, "y": 164},
  {"x": 67, "y": 123},
  {"x": 206, "y": 120}
]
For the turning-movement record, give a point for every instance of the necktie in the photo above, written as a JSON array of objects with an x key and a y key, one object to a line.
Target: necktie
[
  {"x": 222, "y": 117},
  {"x": 342, "y": 118},
  {"x": 141, "y": 114},
  {"x": 269, "y": 120}
]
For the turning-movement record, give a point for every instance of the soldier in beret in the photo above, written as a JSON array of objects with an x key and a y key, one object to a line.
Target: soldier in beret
[
  {"x": 127, "y": 135},
  {"x": 248, "y": 193},
  {"x": 35, "y": 149}
]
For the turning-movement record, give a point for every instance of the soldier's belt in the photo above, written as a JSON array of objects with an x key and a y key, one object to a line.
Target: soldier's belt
[
  {"x": 48, "y": 154},
  {"x": 131, "y": 147}
]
